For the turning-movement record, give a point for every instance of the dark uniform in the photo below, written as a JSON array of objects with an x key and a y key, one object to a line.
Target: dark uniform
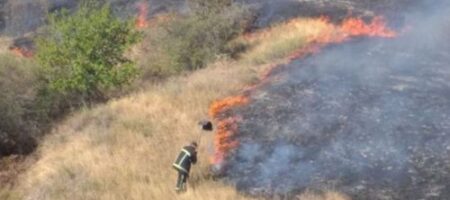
[{"x": 182, "y": 164}]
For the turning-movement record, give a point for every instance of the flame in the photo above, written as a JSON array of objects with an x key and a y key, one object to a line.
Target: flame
[
  {"x": 141, "y": 20},
  {"x": 220, "y": 106},
  {"x": 376, "y": 28},
  {"x": 20, "y": 51},
  {"x": 227, "y": 127},
  {"x": 224, "y": 141},
  {"x": 350, "y": 28}
]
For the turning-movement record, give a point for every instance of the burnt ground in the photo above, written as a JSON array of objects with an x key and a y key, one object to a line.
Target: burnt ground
[{"x": 369, "y": 118}]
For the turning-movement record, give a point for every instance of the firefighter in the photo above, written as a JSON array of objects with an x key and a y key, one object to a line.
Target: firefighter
[{"x": 182, "y": 164}]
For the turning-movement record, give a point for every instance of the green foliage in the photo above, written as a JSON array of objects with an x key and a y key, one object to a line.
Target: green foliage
[
  {"x": 189, "y": 42},
  {"x": 80, "y": 57},
  {"x": 83, "y": 53}
]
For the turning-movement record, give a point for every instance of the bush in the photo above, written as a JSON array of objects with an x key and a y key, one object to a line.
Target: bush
[
  {"x": 18, "y": 125},
  {"x": 80, "y": 57},
  {"x": 82, "y": 54},
  {"x": 190, "y": 41}
]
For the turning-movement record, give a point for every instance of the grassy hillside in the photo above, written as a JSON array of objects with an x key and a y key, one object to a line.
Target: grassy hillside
[{"x": 124, "y": 149}]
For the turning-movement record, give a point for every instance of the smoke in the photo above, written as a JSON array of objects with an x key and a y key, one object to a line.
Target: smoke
[{"x": 369, "y": 118}]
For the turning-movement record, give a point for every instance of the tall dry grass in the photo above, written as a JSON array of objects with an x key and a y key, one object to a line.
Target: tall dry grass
[
  {"x": 124, "y": 149},
  {"x": 280, "y": 40},
  {"x": 4, "y": 44}
]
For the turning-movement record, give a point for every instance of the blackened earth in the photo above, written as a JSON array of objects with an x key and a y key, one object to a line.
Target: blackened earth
[{"x": 369, "y": 118}]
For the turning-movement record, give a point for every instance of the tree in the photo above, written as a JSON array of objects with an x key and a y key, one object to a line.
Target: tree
[{"x": 83, "y": 53}]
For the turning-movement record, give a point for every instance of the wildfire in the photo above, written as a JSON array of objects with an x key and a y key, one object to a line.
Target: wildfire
[
  {"x": 224, "y": 141},
  {"x": 20, "y": 51},
  {"x": 376, "y": 28},
  {"x": 351, "y": 27},
  {"x": 220, "y": 106},
  {"x": 141, "y": 20},
  {"x": 227, "y": 127}
]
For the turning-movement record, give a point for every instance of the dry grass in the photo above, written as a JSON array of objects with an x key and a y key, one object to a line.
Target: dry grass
[
  {"x": 280, "y": 40},
  {"x": 324, "y": 196},
  {"x": 124, "y": 149},
  {"x": 5, "y": 42}
]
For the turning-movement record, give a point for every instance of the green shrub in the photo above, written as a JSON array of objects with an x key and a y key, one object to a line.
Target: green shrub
[
  {"x": 190, "y": 41},
  {"x": 18, "y": 86},
  {"x": 80, "y": 57},
  {"x": 82, "y": 54}
]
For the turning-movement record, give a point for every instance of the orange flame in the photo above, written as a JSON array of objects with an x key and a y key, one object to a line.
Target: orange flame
[
  {"x": 352, "y": 27},
  {"x": 218, "y": 107},
  {"x": 141, "y": 20},
  {"x": 224, "y": 141},
  {"x": 20, "y": 51},
  {"x": 357, "y": 27},
  {"x": 227, "y": 128}
]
